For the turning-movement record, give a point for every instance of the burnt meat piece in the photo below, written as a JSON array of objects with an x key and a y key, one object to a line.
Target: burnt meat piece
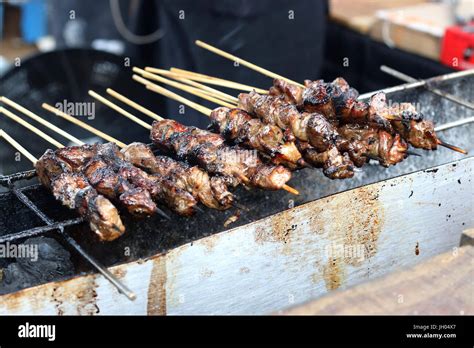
[
  {"x": 334, "y": 164},
  {"x": 377, "y": 143},
  {"x": 337, "y": 101},
  {"x": 77, "y": 156},
  {"x": 136, "y": 200},
  {"x": 312, "y": 128},
  {"x": 239, "y": 127},
  {"x": 74, "y": 191},
  {"x": 211, "y": 191},
  {"x": 160, "y": 188}
]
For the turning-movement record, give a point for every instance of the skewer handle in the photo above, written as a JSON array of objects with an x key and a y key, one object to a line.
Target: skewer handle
[
  {"x": 30, "y": 127},
  {"x": 41, "y": 120},
  {"x": 82, "y": 125},
  {"x": 212, "y": 91},
  {"x": 18, "y": 147},
  {"x": 134, "y": 105},
  {"x": 244, "y": 62},
  {"x": 119, "y": 109},
  {"x": 211, "y": 80},
  {"x": 163, "y": 91},
  {"x": 189, "y": 89}
]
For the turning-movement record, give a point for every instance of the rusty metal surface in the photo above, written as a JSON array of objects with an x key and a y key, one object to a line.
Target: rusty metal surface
[{"x": 284, "y": 259}]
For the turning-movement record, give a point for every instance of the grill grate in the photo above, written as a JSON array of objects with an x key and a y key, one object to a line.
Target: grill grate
[{"x": 9, "y": 182}]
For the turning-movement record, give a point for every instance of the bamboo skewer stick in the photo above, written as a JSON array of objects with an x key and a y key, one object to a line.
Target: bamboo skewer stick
[
  {"x": 167, "y": 93},
  {"x": 134, "y": 105},
  {"x": 39, "y": 119},
  {"x": 204, "y": 110},
  {"x": 17, "y": 146},
  {"x": 30, "y": 127},
  {"x": 244, "y": 62},
  {"x": 158, "y": 89},
  {"x": 212, "y": 91},
  {"x": 452, "y": 147},
  {"x": 183, "y": 87},
  {"x": 82, "y": 124},
  {"x": 211, "y": 80},
  {"x": 119, "y": 109}
]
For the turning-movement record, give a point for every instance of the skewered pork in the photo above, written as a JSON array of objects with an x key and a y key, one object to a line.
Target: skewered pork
[
  {"x": 74, "y": 191},
  {"x": 337, "y": 101},
  {"x": 209, "y": 151},
  {"x": 238, "y": 126},
  {"x": 210, "y": 190}
]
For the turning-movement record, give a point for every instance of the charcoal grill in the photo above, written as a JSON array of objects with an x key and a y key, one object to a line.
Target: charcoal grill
[{"x": 276, "y": 254}]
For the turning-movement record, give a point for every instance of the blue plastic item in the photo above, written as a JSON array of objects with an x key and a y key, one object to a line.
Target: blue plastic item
[{"x": 33, "y": 20}]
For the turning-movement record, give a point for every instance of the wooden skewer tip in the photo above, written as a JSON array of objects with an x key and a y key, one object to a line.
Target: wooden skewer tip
[
  {"x": 452, "y": 147},
  {"x": 290, "y": 189}
]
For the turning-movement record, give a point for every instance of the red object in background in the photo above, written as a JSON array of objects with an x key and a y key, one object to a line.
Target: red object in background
[{"x": 457, "y": 50}]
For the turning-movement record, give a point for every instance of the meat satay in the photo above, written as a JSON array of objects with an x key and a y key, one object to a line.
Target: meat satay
[
  {"x": 118, "y": 179},
  {"x": 376, "y": 143},
  {"x": 334, "y": 164},
  {"x": 238, "y": 126},
  {"x": 137, "y": 200},
  {"x": 84, "y": 159},
  {"x": 210, "y": 152},
  {"x": 210, "y": 190},
  {"x": 160, "y": 188},
  {"x": 74, "y": 191},
  {"x": 358, "y": 148},
  {"x": 338, "y": 102},
  {"x": 312, "y": 128}
]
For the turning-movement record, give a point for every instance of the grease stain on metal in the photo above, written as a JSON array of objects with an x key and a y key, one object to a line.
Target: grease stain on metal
[
  {"x": 80, "y": 293},
  {"x": 356, "y": 222},
  {"x": 156, "y": 304}
]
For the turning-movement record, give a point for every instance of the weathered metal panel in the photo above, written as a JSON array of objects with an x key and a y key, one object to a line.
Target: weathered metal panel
[{"x": 284, "y": 259}]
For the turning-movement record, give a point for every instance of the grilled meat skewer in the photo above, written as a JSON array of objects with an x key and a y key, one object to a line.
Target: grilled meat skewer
[
  {"x": 107, "y": 170},
  {"x": 238, "y": 126},
  {"x": 320, "y": 132},
  {"x": 210, "y": 190},
  {"x": 210, "y": 152},
  {"x": 338, "y": 102},
  {"x": 312, "y": 128},
  {"x": 334, "y": 164},
  {"x": 376, "y": 143},
  {"x": 84, "y": 159},
  {"x": 136, "y": 199},
  {"x": 160, "y": 188},
  {"x": 74, "y": 191}
]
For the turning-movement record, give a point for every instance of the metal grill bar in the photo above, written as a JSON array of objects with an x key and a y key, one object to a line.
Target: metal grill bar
[
  {"x": 436, "y": 91},
  {"x": 416, "y": 84},
  {"x": 8, "y": 180},
  {"x": 39, "y": 230}
]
